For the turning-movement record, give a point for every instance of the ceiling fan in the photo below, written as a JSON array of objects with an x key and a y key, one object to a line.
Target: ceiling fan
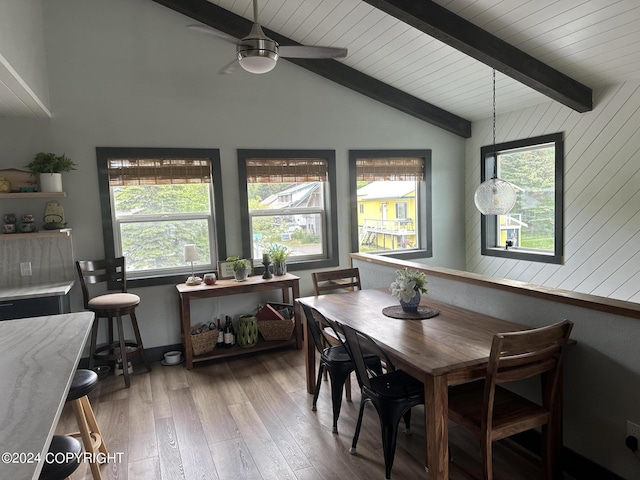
[{"x": 257, "y": 53}]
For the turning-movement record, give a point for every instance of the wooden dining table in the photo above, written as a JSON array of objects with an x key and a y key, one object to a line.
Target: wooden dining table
[{"x": 448, "y": 349}]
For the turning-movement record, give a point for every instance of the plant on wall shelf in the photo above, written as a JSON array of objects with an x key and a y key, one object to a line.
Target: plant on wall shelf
[{"x": 51, "y": 163}]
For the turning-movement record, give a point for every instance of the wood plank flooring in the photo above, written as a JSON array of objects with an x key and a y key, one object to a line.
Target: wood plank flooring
[{"x": 251, "y": 418}]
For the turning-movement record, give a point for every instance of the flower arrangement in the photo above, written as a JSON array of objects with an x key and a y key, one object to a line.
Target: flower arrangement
[
  {"x": 277, "y": 252},
  {"x": 407, "y": 283}
]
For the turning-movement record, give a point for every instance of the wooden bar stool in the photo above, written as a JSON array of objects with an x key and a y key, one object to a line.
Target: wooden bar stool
[
  {"x": 83, "y": 383},
  {"x": 62, "y": 446},
  {"x": 112, "y": 306}
]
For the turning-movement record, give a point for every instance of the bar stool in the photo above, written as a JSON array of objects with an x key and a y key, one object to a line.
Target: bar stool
[
  {"x": 111, "y": 306},
  {"x": 82, "y": 384},
  {"x": 62, "y": 446}
]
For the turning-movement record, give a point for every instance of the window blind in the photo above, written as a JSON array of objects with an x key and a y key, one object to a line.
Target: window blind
[
  {"x": 390, "y": 169},
  {"x": 158, "y": 171},
  {"x": 286, "y": 170}
]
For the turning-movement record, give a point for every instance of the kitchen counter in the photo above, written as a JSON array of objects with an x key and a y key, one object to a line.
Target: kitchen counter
[
  {"x": 34, "y": 300},
  {"x": 39, "y": 359},
  {"x": 34, "y": 291}
]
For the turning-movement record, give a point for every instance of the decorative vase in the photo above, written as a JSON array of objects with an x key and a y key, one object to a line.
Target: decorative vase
[
  {"x": 241, "y": 274},
  {"x": 412, "y": 305},
  {"x": 50, "y": 182},
  {"x": 247, "y": 330},
  {"x": 279, "y": 268}
]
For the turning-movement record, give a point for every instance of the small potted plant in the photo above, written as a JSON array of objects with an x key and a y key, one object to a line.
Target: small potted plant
[
  {"x": 240, "y": 268},
  {"x": 279, "y": 254},
  {"x": 408, "y": 287},
  {"x": 50, "y": 166}
]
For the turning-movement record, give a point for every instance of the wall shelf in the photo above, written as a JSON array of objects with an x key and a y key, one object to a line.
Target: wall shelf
[
  {"x": 65, "y": 232},
  {"x": 23, "y": 195}
]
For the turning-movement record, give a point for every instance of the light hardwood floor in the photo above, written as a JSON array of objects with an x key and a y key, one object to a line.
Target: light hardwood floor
[{"x": 251, "y": 418}]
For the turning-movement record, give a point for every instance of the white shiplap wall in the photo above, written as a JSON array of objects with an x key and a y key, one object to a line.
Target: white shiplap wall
[{"x": 601, "y": 194}]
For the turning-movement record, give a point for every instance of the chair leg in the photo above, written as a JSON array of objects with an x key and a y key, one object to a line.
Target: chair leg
[
  {"x": 352, "y": 450},
  {"x": 347, "y": 387},
  {"x": 389, "y": 437},
  {"x": 92, "y": 422},
  {"x": 94, "y": 343},
  {"x": 487, "y": 458},
  {"x": 123, "y": 352},
  {"x": 337, "y": 384},
  {"x": 318, "y": 383},
  {"x": 85, "y": 435},
  {"x": 407, "y": 422},
  {"x": 136, "y": 331}
]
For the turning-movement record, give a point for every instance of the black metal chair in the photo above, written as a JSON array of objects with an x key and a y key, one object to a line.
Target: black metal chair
[
  {"x": 335, "y": 360},
  {"x": 392, "y": 393}
]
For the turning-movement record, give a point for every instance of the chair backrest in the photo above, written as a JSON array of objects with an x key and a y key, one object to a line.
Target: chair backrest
[
  {"x": 357, "y": 343},
  {"x": 524, "y": 354},
  {"x": 345, "y": 279},
  {"x": 112, "y": 271},
  {"x": 313, "y": 317}
]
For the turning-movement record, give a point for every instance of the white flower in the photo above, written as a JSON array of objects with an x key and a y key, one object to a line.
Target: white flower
[{"x": 407, "y": 284}]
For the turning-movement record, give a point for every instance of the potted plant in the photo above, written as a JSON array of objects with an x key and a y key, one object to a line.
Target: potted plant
[
  {"x": 50, "y": 166},
  {"x": 240, "y": 268},
  {"x": 408, "y": 287},
  {"x": 279, "y": 254}
]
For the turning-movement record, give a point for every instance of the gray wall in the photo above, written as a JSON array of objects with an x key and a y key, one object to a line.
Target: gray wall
[
  {"x": 22, "y": 43},
  {"x": 128, "y": 73},
  {"x": 602, "y": 371},
  {"x": 601, "y": 194}
]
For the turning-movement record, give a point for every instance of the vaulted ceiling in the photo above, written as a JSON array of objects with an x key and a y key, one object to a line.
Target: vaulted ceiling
[{"x": 433, "y": 59}]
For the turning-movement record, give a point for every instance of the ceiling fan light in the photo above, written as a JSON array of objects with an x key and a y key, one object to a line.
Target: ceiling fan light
[
  {"x": 257, "y": 61},
  {"x": 495, "y": 197}
]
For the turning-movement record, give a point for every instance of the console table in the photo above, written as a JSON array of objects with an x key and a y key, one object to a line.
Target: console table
[{"x": 290, "y": 286}]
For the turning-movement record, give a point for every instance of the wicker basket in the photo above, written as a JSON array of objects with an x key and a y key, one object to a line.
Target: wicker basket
[
  {"x": 275, "y": 329},
  {"x": 204, "y": 342}
]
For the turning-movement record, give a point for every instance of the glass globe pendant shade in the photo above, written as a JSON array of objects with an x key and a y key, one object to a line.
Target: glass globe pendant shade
[{"x": 495, "y": 197}]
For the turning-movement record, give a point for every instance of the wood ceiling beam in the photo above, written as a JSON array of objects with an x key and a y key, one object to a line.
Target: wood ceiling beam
[
  {"x": 237, "y": 26},
  {"x": 455, "y": 31}
]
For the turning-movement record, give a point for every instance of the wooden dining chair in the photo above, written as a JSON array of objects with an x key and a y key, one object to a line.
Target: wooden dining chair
[
  {"x": 492, "y": 412},
  {"x": 392, "y": 393},
  {"x": 346, "y": 279},
  {"x": 336, "y": 281}
]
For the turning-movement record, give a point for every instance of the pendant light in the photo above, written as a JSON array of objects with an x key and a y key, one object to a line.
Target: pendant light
[{"x": 495, "y": 196}]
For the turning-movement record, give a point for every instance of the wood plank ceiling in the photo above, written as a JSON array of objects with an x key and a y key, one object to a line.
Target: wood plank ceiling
[
  {"x": 595, "y": 42},
  {"x": 592, "y": 41}
]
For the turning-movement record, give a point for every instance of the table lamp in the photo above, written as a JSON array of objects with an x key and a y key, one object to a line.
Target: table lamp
[{"x": 191, "y": 255}]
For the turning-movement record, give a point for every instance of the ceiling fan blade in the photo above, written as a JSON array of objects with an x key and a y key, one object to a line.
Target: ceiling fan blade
[
  {"x": 212, "y": 31},
  {"x": 303, "y": 51},
  {"x": 230, "y": 67}
]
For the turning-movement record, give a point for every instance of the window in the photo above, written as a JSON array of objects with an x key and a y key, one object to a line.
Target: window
[
  {"x": 289, "y": 198},
  {"x": 391, "y": 202},
  {"x": 533, "y": 230},
  {"x": 156, "y": 200}
]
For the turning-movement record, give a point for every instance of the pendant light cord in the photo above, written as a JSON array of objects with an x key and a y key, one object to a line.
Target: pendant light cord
[{"x": 495, "y": 153}]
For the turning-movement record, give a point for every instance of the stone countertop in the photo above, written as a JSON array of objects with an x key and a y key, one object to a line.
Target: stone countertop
[
  {"x": 39, "y": 359},
  {"x": 32, "y": 291}
]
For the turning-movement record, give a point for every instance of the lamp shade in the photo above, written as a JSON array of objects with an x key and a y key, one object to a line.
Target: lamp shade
[
  {"x": 495, "y": 197},
  {"x": 190, "y": 253}
]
